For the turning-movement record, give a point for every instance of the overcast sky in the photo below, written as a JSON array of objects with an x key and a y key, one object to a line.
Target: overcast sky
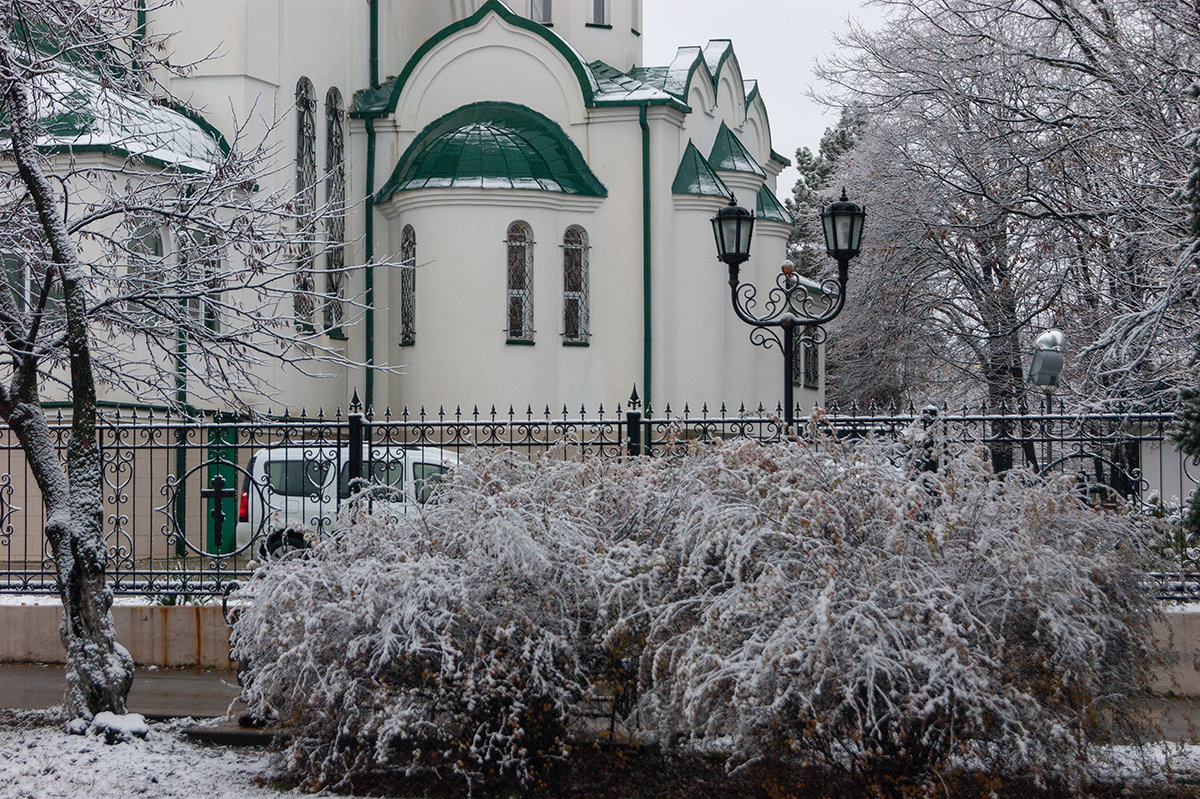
[{"x": 776, "y": 42}]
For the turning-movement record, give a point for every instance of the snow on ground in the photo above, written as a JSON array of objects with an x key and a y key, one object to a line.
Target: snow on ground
[{"x": 38, "y": 762}]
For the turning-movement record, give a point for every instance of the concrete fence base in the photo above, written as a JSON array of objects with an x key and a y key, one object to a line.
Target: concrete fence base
[
  {"x": 196, "y": 635},
  {"x": 155, "y": 635}
]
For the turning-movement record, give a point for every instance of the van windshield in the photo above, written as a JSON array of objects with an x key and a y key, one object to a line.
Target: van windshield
[{"x": 294, "y": 478}]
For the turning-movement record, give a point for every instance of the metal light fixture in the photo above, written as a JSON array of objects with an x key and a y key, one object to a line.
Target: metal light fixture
[
  {"x": 792, "y": 303},
  {"x": 842, "y": 222},
  {"x": 733, "y": 227},
  {"x": 1047, "y": 359}
]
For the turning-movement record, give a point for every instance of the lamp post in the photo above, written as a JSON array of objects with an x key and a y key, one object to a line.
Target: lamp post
[
  {"x": 790, "y": 304},
  {"x": 1044, "y": 371}
]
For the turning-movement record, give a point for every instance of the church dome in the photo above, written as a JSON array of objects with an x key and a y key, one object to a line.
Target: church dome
[{"x": 493, "y": 145}]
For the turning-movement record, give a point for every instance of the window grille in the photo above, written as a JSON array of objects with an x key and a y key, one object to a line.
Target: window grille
[
  {"x": 335, "y": 222},
  {"x": 408, "y": 286},
  {"x": 575, "y": 285},
  {"x": 812, "y": 360},
  {"x": 306, "y": 201},
  {"x": 541, "y": 11},
  {"x": 520, "y": 282}
]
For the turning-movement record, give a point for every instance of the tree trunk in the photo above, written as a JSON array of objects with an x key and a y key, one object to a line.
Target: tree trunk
[{"x": 99, "y": 670}]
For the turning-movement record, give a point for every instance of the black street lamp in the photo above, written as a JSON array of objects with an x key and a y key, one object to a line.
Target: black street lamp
[{"x": 790, "y": 304}]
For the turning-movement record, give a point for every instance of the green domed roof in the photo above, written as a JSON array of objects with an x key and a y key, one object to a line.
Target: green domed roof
[{"x": 493, "y": 145}]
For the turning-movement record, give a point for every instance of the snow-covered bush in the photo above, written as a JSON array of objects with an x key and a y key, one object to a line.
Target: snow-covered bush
[
  {"x": 815, "y": 604},
  {"x": 456, "y": 641},
  {"x": 849, "y": 609}
]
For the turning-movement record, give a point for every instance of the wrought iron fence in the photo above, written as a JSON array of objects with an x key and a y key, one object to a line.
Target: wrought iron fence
[{"x": 188, "y": 502}]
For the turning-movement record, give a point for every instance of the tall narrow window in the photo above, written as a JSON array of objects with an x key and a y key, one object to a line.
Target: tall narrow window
[
  {"x": 335, "y": 222},
  {"x": 203, "y": 278},
  {"x": 520, "y": 283},
  {"x": 812, "y": 360},
  {"x": 597, "y": 12},
  {"x": 575, "y": 285},
  {"x": 145, "y": 270},
  {"x": 636, "y": 17},
  {"x": 306, "y": 202},
  {"x": 408, "y": 286},
  {"x": 540, "y": 11}
]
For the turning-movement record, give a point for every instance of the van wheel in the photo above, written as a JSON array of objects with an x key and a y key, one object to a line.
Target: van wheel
[{"x": 282, "y": 543}]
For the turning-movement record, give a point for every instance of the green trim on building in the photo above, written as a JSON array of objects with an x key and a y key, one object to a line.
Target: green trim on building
[
  {"x": 383, "y": 101},
  {"x": 730, "y": 155},
  {"x": 695, "y": 176},
  {"x": 493, "y": 145},
  {"x": 768, "y": 208},
  {"x": 779, "y": 159}
]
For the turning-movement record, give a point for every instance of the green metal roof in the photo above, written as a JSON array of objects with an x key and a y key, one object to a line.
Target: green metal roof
[
  {"x": 768, "y": 207},
  {"x": 695, "y": 176},
  {"x": 75, "y": 113},
  {"x": 780, "y": 158},
  {"x": 493, "y": 145},
  {"x": 730, "y": 155},
  {"x": 615, "y": 87}
]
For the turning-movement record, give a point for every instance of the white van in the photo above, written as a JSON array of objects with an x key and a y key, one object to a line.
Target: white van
[{"x": 291, "y": 493}]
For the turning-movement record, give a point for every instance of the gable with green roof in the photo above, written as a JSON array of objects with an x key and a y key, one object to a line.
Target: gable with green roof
[
  {"x": 695, "y": 176},
  {"x": 730, "y": 155}
]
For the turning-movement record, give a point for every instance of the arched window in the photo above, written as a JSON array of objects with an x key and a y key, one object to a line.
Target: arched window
[
  {"x": 306, "y": 201},
  {"x": 408, "y": 286},
  {"x": 575, "y": 285},
  {"x": 520, "y": 283},
  {"x": 335, "y": 222}
]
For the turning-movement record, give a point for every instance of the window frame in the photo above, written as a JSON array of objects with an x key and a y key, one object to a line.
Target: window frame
[
  {"x": 334, "y": 311},
  {"x": 408, "y": 286},
  {"x": 599, "y": 14},
  {"x": 579, "y": 296},
  {"x": 519, "y": 250},
  {"x": 546, "y": 17},
  {"x": 304, "y": 306}
]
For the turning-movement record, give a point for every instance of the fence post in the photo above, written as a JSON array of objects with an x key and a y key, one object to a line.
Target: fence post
[
  {"x": 355, "y": 463},
  {"x": 633, "y": 425}
]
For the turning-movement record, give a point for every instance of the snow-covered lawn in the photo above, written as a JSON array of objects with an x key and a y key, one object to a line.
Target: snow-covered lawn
[{"x": 40, "y": 761}]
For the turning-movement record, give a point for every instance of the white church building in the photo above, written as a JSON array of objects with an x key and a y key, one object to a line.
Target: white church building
[{"x": 540, "y": 195}]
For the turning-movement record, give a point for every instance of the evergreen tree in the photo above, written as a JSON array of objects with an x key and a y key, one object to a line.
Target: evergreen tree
[{"x": 807, "y": 244}]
